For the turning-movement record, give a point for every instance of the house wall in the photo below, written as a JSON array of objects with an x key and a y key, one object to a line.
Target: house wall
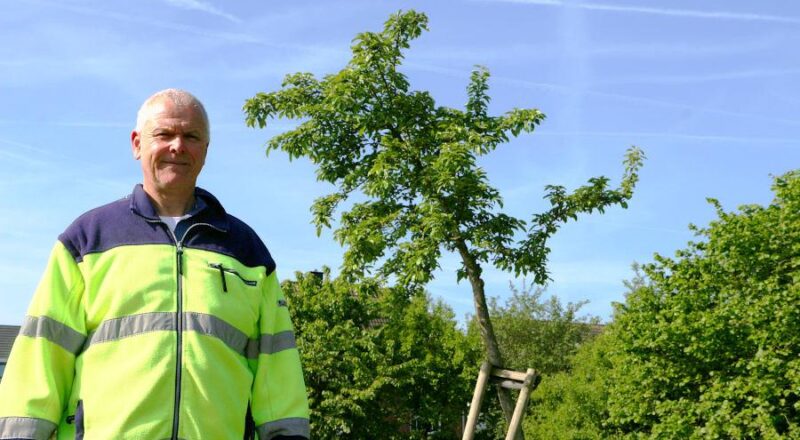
[{"x": 7, "y": 335}]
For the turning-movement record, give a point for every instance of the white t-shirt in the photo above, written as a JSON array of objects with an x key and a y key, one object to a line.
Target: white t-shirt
[{"x": 172, "y": 222}]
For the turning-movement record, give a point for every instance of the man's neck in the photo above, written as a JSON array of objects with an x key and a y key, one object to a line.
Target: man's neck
[{"x": 172, "y": 204}]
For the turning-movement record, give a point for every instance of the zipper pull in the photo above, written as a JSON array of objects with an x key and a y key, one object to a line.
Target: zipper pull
[
  {"x": 221, "y": 275},
  {"x": 180, "y": 260}
]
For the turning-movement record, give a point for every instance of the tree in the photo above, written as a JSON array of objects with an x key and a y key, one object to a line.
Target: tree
[
  {"x": 539, "y": 331},
  {"x": 372, "y": 355},
  {"x": 415, "y": 166},
  {"x": 708, "y": 341},
  {"x": 573, "y": 403},
  {"x": 534, "y": 330}
]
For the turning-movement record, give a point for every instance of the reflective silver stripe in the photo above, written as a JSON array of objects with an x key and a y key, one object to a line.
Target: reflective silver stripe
[
  {"x": 54, "y": 331},
  {"x": 252, "y": 348},
  {"x": 292, "y": 426},
  {"x": 26, "y": 427},
  {"x": 270, "y": 344},
  {"x": 125, "y": 326},
  {"x": 212, "y": 326},
  {"x": 278, "y": 342}
]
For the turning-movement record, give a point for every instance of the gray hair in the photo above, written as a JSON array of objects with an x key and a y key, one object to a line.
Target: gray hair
[{"x": 178, "y": 97}]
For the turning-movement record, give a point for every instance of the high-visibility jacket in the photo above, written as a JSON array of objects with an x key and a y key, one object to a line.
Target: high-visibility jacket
[{"x": 138, "y": 333}]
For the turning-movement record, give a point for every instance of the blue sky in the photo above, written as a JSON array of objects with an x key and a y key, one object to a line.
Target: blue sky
[{"x": 708, "y": 89}]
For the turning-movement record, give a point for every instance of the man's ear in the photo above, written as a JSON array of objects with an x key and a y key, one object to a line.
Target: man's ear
[{"x": 136, "y": 145}]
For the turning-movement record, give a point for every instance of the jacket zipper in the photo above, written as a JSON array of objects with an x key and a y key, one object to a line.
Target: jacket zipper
[
  {"x": 179, "y": 320},
  {"x": 222, "y": 269},
  {"x": 176, "y": 415}
]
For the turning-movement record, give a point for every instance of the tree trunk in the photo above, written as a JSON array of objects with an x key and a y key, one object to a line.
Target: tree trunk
[{"x": 474, "y": 272}]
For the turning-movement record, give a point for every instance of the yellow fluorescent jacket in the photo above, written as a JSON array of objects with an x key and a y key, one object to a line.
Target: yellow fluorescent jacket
[{"x": 138, "y": 333}]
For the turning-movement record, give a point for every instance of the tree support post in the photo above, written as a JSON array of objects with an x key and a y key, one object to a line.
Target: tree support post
[
  {"x": 509, "y": 379},
  {"x": 531, "y": 380},
  {"x": 477, "y": 398}
]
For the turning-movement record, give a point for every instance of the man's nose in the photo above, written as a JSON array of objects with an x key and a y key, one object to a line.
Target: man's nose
[{"x": 178, "y": 145}]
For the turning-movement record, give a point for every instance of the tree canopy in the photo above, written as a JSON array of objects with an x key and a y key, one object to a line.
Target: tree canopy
[
  {"x": 369, "y": 132},
  {"x": 413, "y": 167}
]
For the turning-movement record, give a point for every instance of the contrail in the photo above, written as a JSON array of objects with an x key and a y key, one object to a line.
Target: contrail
[
  {"x": 759, "y": 141},
  {"x": 562, "y": 88},
  {"x": 233, "y": 37},
  {"x": 691, "y": 13},
  {"x": 23, "y": 145},
  {"x": 641, "y": 99},
  {"x": 688, "y": 79},
  {"x": 197, "y": 5},
  {"x": 175, "y": 27}
]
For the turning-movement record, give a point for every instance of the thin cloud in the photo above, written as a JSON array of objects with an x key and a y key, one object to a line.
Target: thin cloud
[
  {"x": 561, "y": 88},
  {"x": 785, "y": 97},
  {"x": 465, "y": 73},
  {"x": 309, "y": 58},
  {"x": 12, "y": 155},
  {"x": 71, "y": 124},
  {"x": 92, "y": 124},
  {"x": 52, "y": 162},
  {"x": 757, "y": 141},
  {"x": 233, "y": 37},
  {"x": 630, "y": 49},
  {"x": 11, "y": 271},
  {"x": 689, "y": 13},
  {"x": 591, "y": 272},
  {"x": 196, "y": 5},
  {"x": 716, "y": 76},
  {"x": 643, "y": 100},
  {"x": 628, "y": 226},
  {"x": 513, "y": 53},
  {"x": 23, "y": 146}
]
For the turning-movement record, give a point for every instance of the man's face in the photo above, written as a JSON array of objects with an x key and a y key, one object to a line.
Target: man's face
[{"x": 171, "y": 145}]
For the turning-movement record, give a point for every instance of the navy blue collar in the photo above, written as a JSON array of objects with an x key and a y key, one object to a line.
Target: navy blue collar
[{"x": 206, "y": 209}]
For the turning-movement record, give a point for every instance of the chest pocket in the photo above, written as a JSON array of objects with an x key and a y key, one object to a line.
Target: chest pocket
[
  {"x": 226, "y": 273},
  {"x": 218, "y": 286}
]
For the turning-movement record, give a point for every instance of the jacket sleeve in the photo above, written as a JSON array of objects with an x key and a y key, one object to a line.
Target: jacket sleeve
[
  {"x": 38, "y": 378},
  {"x": 279, "y": 399}
]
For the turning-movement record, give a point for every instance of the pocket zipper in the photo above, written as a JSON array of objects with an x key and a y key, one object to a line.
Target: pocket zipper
[{"x": 222, "y": 269}]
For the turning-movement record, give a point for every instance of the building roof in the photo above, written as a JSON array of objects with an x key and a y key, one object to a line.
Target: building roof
[{"x": 7, "y": 335}]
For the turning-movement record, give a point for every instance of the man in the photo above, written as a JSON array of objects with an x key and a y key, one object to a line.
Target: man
[{"x": 159, "y": 316}]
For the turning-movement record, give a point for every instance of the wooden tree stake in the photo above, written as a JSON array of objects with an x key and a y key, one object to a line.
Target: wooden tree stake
[{"x": 524, "y": 382}]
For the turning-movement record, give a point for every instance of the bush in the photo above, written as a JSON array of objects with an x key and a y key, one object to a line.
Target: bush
[
  {"x": 708, "y": 341},
  {"x": 573, "y": 404},
  {"x": 380, "y": 362}
]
